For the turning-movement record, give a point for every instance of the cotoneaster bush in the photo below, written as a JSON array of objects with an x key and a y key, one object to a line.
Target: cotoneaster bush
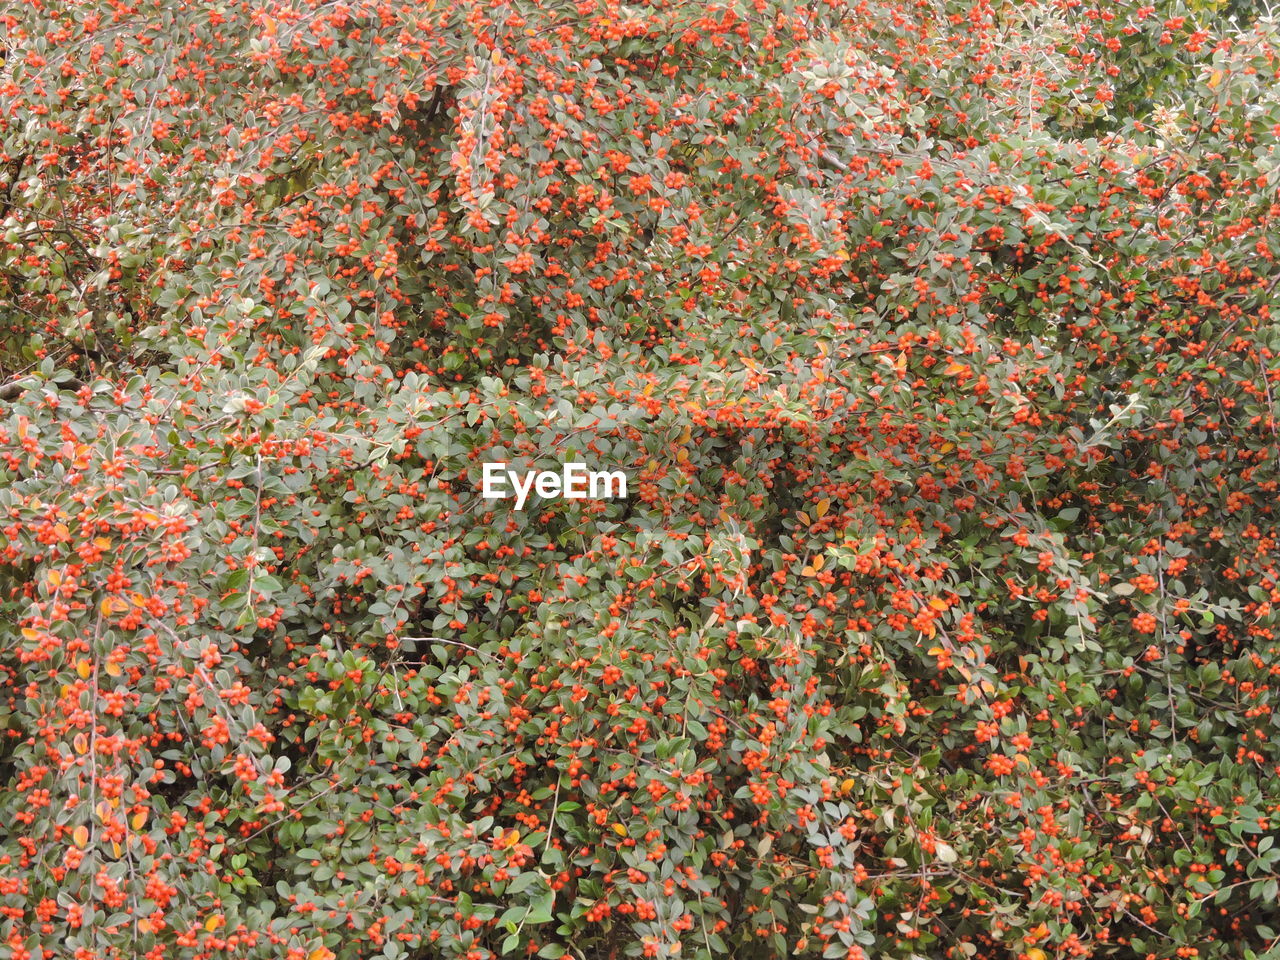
[{"x": 936, "y": 340}]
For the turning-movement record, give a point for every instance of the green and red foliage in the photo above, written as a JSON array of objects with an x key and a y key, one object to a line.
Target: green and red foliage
[{"x": 941, "y": 620}]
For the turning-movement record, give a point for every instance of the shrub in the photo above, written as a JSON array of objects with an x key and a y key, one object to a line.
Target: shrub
[{"x": 939, "y": 620}]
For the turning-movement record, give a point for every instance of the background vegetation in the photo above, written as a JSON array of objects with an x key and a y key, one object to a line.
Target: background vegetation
[{"x": 935, "y": 336}]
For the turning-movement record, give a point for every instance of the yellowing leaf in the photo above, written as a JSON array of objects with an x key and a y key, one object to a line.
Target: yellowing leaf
[
  {"x": 81, "y": 743},
  {"x": 823, "y": 505},
  {"x": 214, "y": 922},
  {"x": 80, "y": 835},
  {"x": 937, "y": 603},
  {"x": 144, "y": 925},
  {"x": 83, "y": 669},
  {"x": 1215, "y": 78},
  {"x": 113, "y": 669},
  {"x": 139, "y": 820},
  {"x": 321, "y": 953},
  {"x": 619, "y": 829},
  {"x": 899, "y": 364}
]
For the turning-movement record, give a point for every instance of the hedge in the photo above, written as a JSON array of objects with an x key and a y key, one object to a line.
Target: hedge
[{"x": 935, "y": 341}]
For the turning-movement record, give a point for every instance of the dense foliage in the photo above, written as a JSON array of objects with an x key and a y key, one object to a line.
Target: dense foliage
[{"x": 936, "y": 338}]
